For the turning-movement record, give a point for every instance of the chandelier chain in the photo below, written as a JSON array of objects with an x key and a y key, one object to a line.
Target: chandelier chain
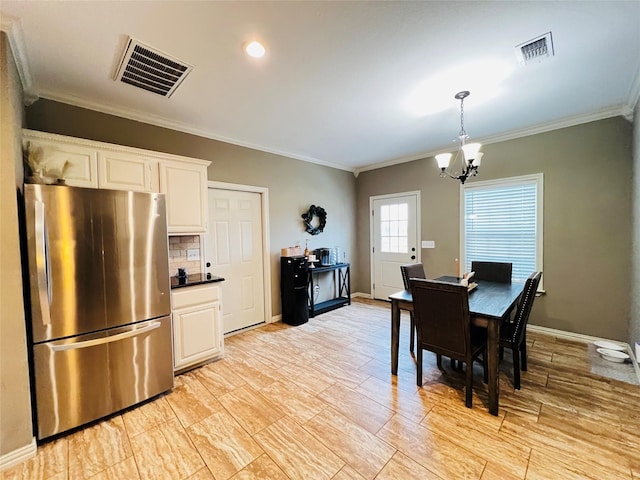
[{"x": 463, "y": 134}]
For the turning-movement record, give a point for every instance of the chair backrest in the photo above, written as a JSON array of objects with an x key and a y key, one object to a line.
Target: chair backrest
[
  {"x": 492, "y": 271},
  {"x": 524, "y": 307},
  {"x": 441, "y": 314},
  {"x": 411, "y": 270}
]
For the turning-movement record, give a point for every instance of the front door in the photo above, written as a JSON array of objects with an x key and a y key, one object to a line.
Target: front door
[
  {"x": 395, "y": 233},
  {"x": 233, "y": 248}
]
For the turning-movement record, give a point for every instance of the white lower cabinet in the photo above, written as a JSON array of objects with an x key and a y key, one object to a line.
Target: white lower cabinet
[{"x": 197, "y": 325}]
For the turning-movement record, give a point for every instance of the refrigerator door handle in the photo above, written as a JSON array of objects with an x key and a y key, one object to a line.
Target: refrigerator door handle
[
  {"x": 43, "y": 269},
  {"x": 108, "y": 339}
]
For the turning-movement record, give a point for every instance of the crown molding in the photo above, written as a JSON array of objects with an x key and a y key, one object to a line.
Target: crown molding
[
  {"x": 634, "y": 94},
  {"x": 181, "y": 127},
  {"x": 111, "y": 147},
  {"x": 13, "y": 28},
  {"x": 619, "y": 110}
]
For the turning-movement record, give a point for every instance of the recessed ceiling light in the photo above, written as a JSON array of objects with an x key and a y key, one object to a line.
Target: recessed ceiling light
[{"x": 255, "y": 49}]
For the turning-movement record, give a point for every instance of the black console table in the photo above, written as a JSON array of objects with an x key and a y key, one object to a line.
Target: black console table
[{"x": 343, "y": 290}]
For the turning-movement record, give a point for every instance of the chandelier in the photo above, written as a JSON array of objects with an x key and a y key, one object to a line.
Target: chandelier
[{"x": 469, "y": 153}]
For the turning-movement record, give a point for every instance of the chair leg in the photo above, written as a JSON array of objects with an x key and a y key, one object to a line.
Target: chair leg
[
  {"x": 439, "y": 361},
  {"x": 412, "y": 335},
  {"x": 516, "y": 368},
  {"x": 523, "y": 355},
  {"x": 419, "y": 367},
  {"x": 468, "y": 390}
]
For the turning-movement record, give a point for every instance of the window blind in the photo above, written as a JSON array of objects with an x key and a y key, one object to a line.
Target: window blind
[{"x": 501, "y": 225}]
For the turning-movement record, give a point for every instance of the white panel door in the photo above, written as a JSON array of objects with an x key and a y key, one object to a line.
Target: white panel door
[
  {"x": 233, "y": 248},
  {"x": 395, "y": 241}
]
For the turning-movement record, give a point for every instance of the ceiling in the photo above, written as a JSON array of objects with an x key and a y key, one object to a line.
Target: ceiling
[{"x": 337, "y": 85}]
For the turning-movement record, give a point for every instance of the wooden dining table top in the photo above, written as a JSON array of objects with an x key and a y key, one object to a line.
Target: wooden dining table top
[{"x": 488, "y": 299}]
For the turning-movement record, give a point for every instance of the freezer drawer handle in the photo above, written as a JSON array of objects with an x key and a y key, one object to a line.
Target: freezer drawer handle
[
  {"x": 42, "y": 263},
  {"x": 112, "y": 338}
]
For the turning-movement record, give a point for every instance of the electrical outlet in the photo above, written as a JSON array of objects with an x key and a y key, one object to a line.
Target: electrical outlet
[{"x": 193, "y": 254}]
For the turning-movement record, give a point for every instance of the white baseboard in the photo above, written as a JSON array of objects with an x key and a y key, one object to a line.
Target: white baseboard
[
  {"x": 360, "y": 294},
  {"x": 570, "y": 335},
  {"x": 15, "y": 457},
  {"x": 276, "y": 318}
]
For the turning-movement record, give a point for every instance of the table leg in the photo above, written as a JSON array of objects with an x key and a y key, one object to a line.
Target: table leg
[
  {"x": 493, "y": 343},
  {"x": 395, "y": 336}
]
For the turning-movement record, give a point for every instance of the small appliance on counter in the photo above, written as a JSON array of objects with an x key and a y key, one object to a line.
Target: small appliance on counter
[{"x": 324, "y": 254}]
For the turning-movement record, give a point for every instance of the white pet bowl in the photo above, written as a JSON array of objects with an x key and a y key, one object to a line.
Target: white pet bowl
[
  {"x": 609, "y": 345},
  {"x": 612, "y": 355}
]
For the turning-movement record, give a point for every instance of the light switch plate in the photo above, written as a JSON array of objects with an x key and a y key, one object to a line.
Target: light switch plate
[
  {"x": 193, "y": 254},
  {"x": 428, "y": 244}
]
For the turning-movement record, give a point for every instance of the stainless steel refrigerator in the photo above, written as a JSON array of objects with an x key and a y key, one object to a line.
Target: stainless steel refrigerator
[{"x": 100, "y": 309}]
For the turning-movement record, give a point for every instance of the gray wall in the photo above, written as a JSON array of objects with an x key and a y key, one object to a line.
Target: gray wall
[
  {"x": 634, "y": 325},
  {"x": 587, "y": 233},
  {"x": 293, "y": 185},
  {"x": 15, "y": 402}
]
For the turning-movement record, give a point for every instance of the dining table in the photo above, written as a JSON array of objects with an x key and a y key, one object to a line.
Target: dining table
[{"x": 490, "y": 304}]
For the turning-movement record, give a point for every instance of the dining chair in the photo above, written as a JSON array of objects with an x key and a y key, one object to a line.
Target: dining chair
[
  {"x": 411, "y": 270},
  {"x": 441, "y": 312},
  {"x": 513, "y": 334},
  {"x": 492, "y": 271}
]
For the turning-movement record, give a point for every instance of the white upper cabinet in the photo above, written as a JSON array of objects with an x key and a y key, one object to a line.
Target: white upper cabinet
[
  {"x": 81, "y": 161},
  {"x": 104, "y": 165},
  {"x": 186, "y": 189},
  {"x": 123, "y": 171}
]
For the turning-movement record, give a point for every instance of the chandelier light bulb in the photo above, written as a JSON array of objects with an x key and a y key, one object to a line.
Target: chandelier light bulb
[
  {"x": 471, "y": 151},
  {"x": 443, "y": 160}
]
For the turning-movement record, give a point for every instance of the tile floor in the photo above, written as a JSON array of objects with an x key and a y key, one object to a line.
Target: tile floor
[{"x": 317, "y": 401}]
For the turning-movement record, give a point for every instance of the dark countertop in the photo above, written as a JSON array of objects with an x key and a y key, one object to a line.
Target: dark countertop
[{"x": 194, "y": 279}]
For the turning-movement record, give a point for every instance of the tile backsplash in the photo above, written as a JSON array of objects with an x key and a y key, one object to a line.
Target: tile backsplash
[{"x": 178, "y": 246}]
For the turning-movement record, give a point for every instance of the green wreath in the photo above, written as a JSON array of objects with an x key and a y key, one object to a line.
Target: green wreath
[{"x": 315, "y": 211}]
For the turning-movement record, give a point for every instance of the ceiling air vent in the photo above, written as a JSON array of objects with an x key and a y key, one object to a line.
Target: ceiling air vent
[
  {"x": 151, "y": 70},
  {"x": 536, "y": 50}
]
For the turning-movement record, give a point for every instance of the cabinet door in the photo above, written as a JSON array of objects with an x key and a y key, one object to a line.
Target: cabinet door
[
  {"x": 186, "y": 188},
  {"x": 196, "y": 334},
  {"x": 123, "y": 171},
  {"x": 82, "y": 162}
]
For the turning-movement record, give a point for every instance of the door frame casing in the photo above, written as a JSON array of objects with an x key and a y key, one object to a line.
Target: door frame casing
[
  {"x": 372, "y": 227},
  {"x": 264, "y": 208}
]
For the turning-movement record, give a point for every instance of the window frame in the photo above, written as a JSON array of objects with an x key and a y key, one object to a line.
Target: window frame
[{"x": 536, "y": 179}]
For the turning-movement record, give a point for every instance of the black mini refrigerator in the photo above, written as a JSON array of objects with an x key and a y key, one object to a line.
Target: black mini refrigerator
[{"x": 293, "y": 290}]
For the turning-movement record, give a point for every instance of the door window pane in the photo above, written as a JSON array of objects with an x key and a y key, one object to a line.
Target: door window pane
[{"x": 394, "y": 228}]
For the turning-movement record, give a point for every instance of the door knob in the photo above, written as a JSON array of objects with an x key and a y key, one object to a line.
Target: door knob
[{"x": 413, "y": 257}]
